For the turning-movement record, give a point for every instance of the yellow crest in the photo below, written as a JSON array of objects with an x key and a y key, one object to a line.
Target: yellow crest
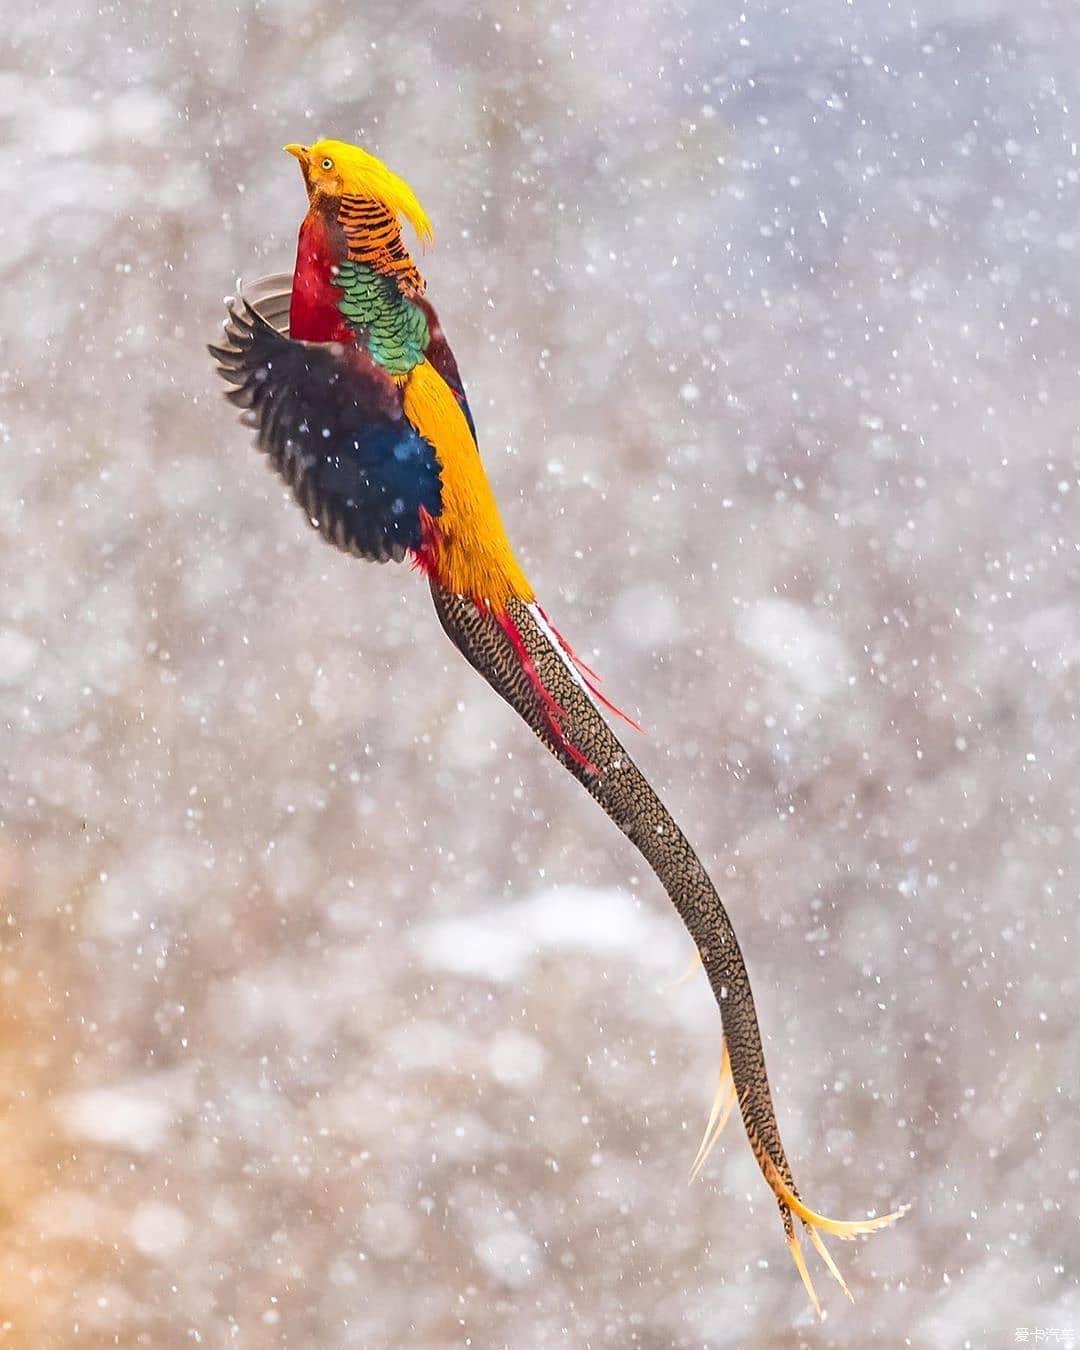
[{"x": 339, "y": 169}]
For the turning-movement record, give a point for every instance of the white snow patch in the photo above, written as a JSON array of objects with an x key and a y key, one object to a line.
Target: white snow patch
[
  {"x": 67, "y": 1213},
  {"x": 18, "y": 652},
  {"x": 301, "y": 1003},
  {"x": 1052, "y": 633},
  {"x": 426, "y": 1044},
  {"x": 645, "y": 616},
  {"x": 138, "y": 1114},
  {"x": 510, "y": 1256},
  {"x": 70, "y": 129},
  {"x": 158, "y": 1229},
  {"x": 388, "y": 1231},
  {"x": 500, "y": 943},
  {"x": 787, "y": 639},
  {"x": 141, "y": 115},
  {"x": 516, "y": 1060}
]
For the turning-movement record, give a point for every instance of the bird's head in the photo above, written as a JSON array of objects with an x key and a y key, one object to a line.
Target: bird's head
[{"x": 335, "y": 169}]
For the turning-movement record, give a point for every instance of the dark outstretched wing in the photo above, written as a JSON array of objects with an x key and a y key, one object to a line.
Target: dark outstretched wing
[{"x": 332, "y": 423}]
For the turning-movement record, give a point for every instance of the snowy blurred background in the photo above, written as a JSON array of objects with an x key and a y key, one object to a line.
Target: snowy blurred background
[{"x": 333, "y": 1014}]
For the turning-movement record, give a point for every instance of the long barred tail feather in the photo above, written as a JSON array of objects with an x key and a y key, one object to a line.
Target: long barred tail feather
[
  {"x": 521, "y": 656},
  {"x": 553, "y": 713}
]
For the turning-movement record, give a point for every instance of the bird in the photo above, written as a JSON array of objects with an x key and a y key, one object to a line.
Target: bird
[{"x": 360, "y": 407}]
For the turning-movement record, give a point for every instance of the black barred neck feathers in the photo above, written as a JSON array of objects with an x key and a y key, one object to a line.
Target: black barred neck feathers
[{"x": 373, "y": 236}]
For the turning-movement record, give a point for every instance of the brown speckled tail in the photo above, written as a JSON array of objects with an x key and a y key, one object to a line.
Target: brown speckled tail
[{"x": 611, "y": 776}]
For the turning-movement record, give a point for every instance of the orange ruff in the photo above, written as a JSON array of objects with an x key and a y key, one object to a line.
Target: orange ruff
[{"x": 470, "y": 553}]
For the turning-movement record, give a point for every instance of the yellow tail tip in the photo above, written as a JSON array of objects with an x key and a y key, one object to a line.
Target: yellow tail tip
[
  {"x": 819, "y": 1246},
  {"x": 800, "y": 1266},
  {"x": 826, "y": 1256},
  {"x": 723, "y": 1104},
  {"x": 845, "y": 1229},
  {"x": 695, "y": 961},
  {"x": 816, "y": 1224}
]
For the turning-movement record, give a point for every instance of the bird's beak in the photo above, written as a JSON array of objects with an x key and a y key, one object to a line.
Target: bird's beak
[{"x": 300, "y": 151}]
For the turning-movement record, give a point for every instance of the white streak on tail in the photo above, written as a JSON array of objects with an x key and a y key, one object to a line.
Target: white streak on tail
[{"x": 564, "y": 656}]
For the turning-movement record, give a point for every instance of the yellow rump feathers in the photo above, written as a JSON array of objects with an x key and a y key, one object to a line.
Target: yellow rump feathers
[
  {"x": 337, "y": 169},
  {"x": 470, "y": 553}
]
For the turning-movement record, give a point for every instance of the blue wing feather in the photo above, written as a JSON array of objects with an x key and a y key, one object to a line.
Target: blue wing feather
[{"x": 331, "y": 421}]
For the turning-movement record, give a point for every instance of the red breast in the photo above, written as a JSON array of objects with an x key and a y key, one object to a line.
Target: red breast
[{"x": 314, "y": 315}]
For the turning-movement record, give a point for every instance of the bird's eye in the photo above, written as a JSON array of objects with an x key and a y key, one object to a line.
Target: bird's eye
[{"x": 328, "y": 164}]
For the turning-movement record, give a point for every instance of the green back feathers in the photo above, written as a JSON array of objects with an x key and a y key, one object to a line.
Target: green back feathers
[{"x": 395, "y": 330}]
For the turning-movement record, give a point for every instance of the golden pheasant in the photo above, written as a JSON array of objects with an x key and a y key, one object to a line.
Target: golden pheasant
[{"x": 362, "y": 411}]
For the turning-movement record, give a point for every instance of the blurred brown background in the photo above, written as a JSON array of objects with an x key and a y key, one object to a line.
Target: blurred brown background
[{"x": 334, "y": 1015}]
